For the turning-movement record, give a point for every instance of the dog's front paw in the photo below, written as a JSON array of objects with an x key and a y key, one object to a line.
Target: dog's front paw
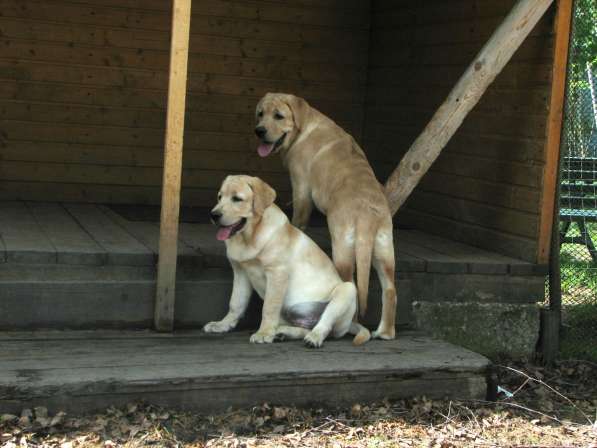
[
  {"x": 262, "y": 338},
  {"x": 217, "y": 327},
  {"x": 314, "y": 339}
]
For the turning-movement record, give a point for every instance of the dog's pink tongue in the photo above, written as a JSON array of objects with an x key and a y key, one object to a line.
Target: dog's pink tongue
[
  {"x": 264, "y": 149},
  {"x": 224, "y": 233}
]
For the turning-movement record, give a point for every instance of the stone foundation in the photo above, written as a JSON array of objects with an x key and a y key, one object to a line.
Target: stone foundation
[{"x": 492, "y": 329}]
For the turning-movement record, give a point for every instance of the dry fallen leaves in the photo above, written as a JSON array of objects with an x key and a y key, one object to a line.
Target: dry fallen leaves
[{"x": 549, "y": 407}]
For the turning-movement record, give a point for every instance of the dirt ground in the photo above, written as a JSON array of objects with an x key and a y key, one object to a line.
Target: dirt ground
[{"x": 536, "y": 407}]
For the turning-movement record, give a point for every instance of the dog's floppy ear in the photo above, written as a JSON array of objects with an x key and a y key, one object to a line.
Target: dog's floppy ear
[
  {"x": 300, "y": 110},
  {"x": 263, "y": 195}
]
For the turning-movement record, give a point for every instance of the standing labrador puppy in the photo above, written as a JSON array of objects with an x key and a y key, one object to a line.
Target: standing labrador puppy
[
  {"x": 303, "y": 294},
  {"x": 327, "y": 167}
]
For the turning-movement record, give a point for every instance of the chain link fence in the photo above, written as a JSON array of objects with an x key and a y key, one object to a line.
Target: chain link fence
[{"x": 578, "y": 190}]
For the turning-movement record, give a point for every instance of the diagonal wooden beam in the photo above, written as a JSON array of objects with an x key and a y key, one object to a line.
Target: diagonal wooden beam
[
  {"x": 464, "y": 96},
  {"x": 177, "y": 84}
]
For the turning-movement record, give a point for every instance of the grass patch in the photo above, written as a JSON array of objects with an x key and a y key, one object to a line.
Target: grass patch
[
  {"x": 579, "y": 298},
  {"x": 579, "y": 279},
  {"x": 578, "y": 251},
  {"x": 579, "y": 331}
]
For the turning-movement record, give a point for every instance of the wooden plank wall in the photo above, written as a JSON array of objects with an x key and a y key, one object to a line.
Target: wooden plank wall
[
  {"x": 83, "y": 90},
  {"x": 485, "y": 187}
]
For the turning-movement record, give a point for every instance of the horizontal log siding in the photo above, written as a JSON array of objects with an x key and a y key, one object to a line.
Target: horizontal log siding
[
  {"x": 484, "y": 189},
  {"x": 83, "y": 90}
]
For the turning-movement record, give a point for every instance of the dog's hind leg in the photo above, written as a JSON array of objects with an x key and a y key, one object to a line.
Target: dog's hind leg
[
  {"x": 384, "y": 264},
  {"x": 302, "y": 204},
  {"x": 343, "y": 254},
  {"x": 337, "y": 316}
]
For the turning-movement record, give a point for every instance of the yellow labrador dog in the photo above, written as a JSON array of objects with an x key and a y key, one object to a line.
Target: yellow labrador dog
[
  {"x": 327, "y": 167},
  {"x": 303, "y": 295}
]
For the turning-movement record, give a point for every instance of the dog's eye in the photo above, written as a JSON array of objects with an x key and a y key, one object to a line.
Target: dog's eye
[
  {"x": 278, "y": 116},
  {"x": 236, "y": 199},
  {"x": 219, "y": 197},
  {"x": 260, "y": 114}
]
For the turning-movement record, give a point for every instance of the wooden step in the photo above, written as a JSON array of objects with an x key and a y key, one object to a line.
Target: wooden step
[
  {"x": 85, "y": 371},
  {"x": 91, "y": 304},
  {"x": 98, "y": 297}
]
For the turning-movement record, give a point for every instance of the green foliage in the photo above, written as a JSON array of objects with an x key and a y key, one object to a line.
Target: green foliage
[
  {"x": 579, "y": 126},
  {"x": 583, "y": 48}
]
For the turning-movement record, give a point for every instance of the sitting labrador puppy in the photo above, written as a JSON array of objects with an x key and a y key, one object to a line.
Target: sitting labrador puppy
[
  {"x": 327, "y": 167},
  {"x": 303, "y": 294}
]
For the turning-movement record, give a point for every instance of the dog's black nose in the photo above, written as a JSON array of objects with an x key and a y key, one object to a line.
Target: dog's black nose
[
  {"x": 260, "y": 131},
  {"x": 215, "y": 216}
]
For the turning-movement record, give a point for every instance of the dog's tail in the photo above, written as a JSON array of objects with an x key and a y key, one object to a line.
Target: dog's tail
[
  {"x": 365, "y": 236},
  {"x": 362, "y": 335}
]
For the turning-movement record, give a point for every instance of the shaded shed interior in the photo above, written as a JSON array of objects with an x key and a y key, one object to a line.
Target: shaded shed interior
[{"x": 83, "y": 92}]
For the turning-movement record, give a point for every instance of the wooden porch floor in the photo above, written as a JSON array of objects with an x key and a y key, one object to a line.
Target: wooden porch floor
[
  {"x": 90, "y": 234},
  {"x": 85, "y": 266},
  {"x": 83, "y": 371}
]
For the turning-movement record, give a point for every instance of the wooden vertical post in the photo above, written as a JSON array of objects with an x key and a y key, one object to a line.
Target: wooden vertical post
[
  {"x": 464, "y": 96},
  {"x": 177, "y": 85},
  {"x": 554, "y": 128}
]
